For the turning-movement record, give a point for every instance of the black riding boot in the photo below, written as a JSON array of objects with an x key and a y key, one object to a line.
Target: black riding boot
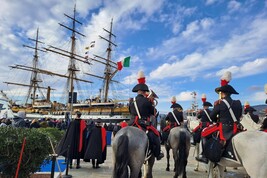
[
  {"x": 201, "y": 157},
  {"x": 154, "y": 142}
]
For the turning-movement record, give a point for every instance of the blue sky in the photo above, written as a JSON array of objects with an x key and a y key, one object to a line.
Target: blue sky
[{"x": 182, "y": 46}]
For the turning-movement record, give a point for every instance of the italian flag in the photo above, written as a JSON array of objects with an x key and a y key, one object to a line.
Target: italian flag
[{"x": 124, "y": 63}]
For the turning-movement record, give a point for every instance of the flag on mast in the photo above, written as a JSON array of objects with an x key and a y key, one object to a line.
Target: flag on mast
[
  {"x": 124, "y": 63},
  {"x": 92, "y": 44}
]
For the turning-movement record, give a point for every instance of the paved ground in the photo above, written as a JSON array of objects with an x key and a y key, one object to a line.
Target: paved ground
[{"x": 158, "y": 171}]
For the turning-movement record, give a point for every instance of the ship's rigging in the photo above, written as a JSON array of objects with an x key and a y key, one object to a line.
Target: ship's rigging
[
  {"x": 34, "y": 86},
  {"x": 110, "y": 69}
]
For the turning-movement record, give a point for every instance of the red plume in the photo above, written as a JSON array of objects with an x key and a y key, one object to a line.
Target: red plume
[
  {"x": 246, "y": 105},
  {"x": 173, "y": 100},
  {"x": 203, "y": 98},
  {"x": 141, "y": 77},
  {"x": 226, "y": 77}
]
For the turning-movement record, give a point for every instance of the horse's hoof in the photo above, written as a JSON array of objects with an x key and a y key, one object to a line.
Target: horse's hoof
[
  {"x": 196, "y": 169},
  {"x": 167, "y": 169}
]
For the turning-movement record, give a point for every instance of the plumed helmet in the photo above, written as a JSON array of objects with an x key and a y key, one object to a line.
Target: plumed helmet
[
  {"x": 203, "y": 98},
  {"x": 176, "y": 105},
  {"x": 225, "y": 87},
  {"x": 141, "y": 83},
  {"x": 173, "y": 100},
  {"x": 206, "y": 103}
]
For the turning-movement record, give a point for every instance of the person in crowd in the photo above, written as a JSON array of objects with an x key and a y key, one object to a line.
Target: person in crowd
[
  {"x": 3, "y": 122},
  {"x": 19, "y": 120},
  {"x": 72, "y": 143},
  {"x": 8, "y": 122},
  {"x": 35, "y": 124},
  {"x": 110, "y": 126},
  {"x": 116, "y": 128},
  {"x": 28, "y": 123},
  {"x": 105, "y": 126},
  {"x": 43, "y": 123},
  {"x": 50, "y": 122},
  {"x": 96, "y": 149},
  {"x": 141, "y": 109},
  {"x": 63, "y": 125}
]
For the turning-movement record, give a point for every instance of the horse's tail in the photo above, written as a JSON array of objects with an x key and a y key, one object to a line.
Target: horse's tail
[
  {"x": 121, "y": 158},
  {"x": 182, "y": 161}
]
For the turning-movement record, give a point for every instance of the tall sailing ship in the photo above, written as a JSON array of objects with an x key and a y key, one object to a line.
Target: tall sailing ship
[{"x": 99, "y": 107}]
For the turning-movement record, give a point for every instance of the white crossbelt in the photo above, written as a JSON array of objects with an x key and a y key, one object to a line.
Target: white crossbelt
[
  {"x": 230, "y": 110},
  {"x": 136, "y": 108},
  {"x": 175, "y": 118},
  {"x": 207, "y": 115}
]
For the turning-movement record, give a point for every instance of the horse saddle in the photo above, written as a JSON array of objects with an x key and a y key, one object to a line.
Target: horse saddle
[{"x": 229, "y": 152}]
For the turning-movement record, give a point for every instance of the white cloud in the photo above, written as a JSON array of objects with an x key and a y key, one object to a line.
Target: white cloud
[
  {"x": 209, "y": 2},
  {"x": 206, "y": 23},
  {"x": 257, "y": 97},
  {"x": 239, "y": 48},
  {"x": 234, "y": 6},
  {"x": 249, "y": 68},
  {"x": 184, "y": 96},
  {"x": 191, "y": 29}
]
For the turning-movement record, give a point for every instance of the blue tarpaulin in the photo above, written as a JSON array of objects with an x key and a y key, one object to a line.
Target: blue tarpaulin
[{"x": 47, "y": 167}]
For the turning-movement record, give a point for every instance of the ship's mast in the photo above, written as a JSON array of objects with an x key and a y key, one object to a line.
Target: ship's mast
[
  {"x": 34, "y": 79},
  {"x": 72, "y": 65},
  {"x": 108, "y": 75},
  {"x": 73, "y": 57},
  {"x": 34, "y": 83}
]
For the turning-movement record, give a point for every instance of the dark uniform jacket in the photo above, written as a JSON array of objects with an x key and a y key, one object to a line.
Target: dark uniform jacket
[
  {"x": 204, "y": 118},
  {"x": 224, "y": 116},
  {"x": 179, "y": 117},
  {"x": 145, "y": 107}
]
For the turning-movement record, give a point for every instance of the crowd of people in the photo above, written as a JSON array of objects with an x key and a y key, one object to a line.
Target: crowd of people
[{"x": 21, "y": 121}]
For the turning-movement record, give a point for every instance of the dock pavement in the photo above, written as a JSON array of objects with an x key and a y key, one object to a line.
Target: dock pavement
[{"x": 105, "y": 170}]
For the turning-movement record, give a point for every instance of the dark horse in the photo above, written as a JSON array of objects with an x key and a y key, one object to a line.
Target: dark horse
[
  {"x": 179, "y": 142},
  {"x": 130, "y": 146}
]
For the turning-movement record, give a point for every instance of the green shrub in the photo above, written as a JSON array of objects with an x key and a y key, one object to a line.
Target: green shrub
[
  {"x": 36, "y": 151},
  {"x": 54, "y": 134}
]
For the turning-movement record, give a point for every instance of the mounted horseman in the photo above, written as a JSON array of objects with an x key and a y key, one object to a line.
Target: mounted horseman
[
  {"x": 205, "y": 120},
  {"x": 174, "y": 118},
  {"x": 226, "y": 113},
  {"x": 141, "y": 110}
]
